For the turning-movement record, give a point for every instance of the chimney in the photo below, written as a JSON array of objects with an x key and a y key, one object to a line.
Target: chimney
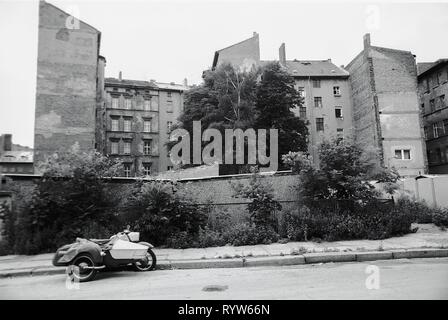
[
  {"x": 7, "y": 142},
  {"x": 366, "y": 40},
  {"x": 255, "y": 34},
  {"x": 185, "y": 82},
  {"x": 282, "y": 55},
  {"x": 119, "y": 75}
]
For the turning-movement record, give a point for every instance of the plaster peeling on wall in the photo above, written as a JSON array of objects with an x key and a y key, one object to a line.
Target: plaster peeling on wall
[{"x": 49, "y": 124}]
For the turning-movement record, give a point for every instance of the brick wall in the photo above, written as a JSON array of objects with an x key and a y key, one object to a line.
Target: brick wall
[{"x": 66, "y": 83}]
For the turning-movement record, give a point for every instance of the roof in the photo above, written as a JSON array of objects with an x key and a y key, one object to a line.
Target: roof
[
  {"x": 426, "y": 67},
  {"x": 313, "y": 68},
  {"x": 141, "y": 83},
  {"x": 129, "y": 83},
  {"x": 172, "y": 86},
  {"x": 17, "y": 156}
]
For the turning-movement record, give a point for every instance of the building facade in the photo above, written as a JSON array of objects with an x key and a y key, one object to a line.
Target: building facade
[
  {"x": 386, "y": 115},
  {"x": 136, "y": 121},
  {"x": 326, "y": 107},
  {"x": 67, "y": 80},
  {"x": 433, "y": 95},
  {"x": 325, "y": 89},
  {"x": 15, "y": 159}
]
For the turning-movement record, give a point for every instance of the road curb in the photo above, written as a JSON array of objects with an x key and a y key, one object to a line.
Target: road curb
[{"x": 307, "y": 258}]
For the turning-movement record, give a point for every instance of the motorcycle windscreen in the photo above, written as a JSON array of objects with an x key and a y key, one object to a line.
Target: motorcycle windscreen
[{"x": 127, "y": 250}]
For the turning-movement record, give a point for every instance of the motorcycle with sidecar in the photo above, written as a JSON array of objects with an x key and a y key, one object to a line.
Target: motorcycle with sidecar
[{"x": 85, "y": 257}]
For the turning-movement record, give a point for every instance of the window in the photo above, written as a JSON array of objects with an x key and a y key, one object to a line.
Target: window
[
  {"x": 147, "y": 169},
  {"x": 336, "y": 91},
  {"x": 127, "y": 170},
  {"x": 426, "y": 133},
  {"x": 147, "y": 105},
  {"x": 154, "y": 103},
  {"x": 442, "y": 101},
  {"x": 437, "y": 129},
  {"x": 147, "y": 147},
  {"x": 403, "y": 154},
  {"x": 316, "y": 83},
  {"x": 115, "y": 103},
  {"x": 169, "y": 106},
  {"x": 318, "y": 102},
  {"x": 115, "y": 124},
  {"x": 439, "y": 78},
  {"x": 171, "y": 167},
  {"x": 432, "y": 104},
  {"x": 127, "y": 103},
  {"x": 302, "y": 112},
  {"x": 127, "y": 124},
  {"x": 169, "y": 124},
  {"x": 340, "y": 132},
  {"x": 168, "y": 94},
  {"x": 114, "y": 147},
  {"x": 338, "y": 112},
  {"x": 445, "y": 126},
  {"x": 423, "y": 108},
  {"x": 320, "y": 124},
  {"x": 147, "y": 125},
  {"x": 427, "y": 85},
  {"x": 301, "y": 91},
  {"x": 127, "y": 147}
]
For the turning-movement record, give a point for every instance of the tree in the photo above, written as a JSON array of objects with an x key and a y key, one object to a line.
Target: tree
[
  {"x": 70, "y": 200},
  {"x": 260, "y": 99},
  {"x": 345, "y": 172},
  {"x": 276, "y": 98}
]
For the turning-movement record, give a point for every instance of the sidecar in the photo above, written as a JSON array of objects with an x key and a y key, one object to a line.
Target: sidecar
[{"x": 86, "y": 257}]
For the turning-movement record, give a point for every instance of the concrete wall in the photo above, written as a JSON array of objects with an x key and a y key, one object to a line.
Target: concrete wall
[
  {"x": 431, "y": 189},
  {"x": 66, "y": 83}
]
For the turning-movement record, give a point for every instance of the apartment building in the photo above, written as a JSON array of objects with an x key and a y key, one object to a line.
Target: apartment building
[
  {"x": 386, "y": 115},
  {"x": 433, "y": 95},
  {"x": 137, "y": 119},
  {"x": 324, "y": 86},
  {"x": 326, "y": 107}
]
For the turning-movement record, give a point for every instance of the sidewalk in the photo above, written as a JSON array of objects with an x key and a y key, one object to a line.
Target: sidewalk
[{"x": 429, "y": 241}]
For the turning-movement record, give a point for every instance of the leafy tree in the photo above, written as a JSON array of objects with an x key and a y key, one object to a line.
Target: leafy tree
[
  {"x": 344, "y": 173},
  {"x": 276, "y": 98},
  {"x": 261, "y": 99},
  {"x": 71, "y": 200}
]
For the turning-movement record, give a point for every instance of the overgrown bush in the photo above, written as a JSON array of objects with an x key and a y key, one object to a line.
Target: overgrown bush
[
  {"x": 71, "y": 200},
  {"x": 249, "y": 234},
  {"x": 369, "y": 220},
  {"x": 263, "y": 206},
  {"x": 162, "y": 216}
]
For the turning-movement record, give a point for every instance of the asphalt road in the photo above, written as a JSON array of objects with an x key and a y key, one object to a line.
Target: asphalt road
[{"x": 398, "y": 279}]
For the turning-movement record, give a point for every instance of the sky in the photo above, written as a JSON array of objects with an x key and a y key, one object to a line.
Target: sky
[{"x": 172, "y": 39}]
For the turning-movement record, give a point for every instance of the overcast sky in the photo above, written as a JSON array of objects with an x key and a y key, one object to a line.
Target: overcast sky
[{"x": 172, "y": 40}]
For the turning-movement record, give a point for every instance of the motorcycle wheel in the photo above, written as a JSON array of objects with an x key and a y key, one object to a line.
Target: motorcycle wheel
[
  {"x": 148, "y": 265},
  {"x": 79, "y": 271}
]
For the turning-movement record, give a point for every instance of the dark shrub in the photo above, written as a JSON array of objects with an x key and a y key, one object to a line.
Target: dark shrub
[
  {"x": 160, "y": 214},
  {"x": 371, "y": 220},
  {"x": 248, "y": 234},
  {"x": 440, "y": 218}
]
